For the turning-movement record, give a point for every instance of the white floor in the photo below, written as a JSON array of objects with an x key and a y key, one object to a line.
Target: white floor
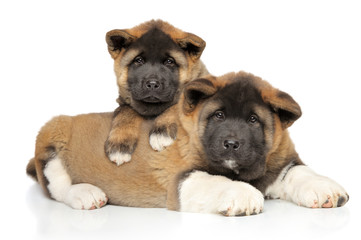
[{"x": 29, "y": 214}]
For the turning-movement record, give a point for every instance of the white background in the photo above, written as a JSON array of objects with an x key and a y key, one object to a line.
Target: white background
[{"x": 54, "y": 60}]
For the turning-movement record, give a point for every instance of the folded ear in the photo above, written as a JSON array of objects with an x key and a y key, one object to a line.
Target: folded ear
[
  {"x": 192, "y": 44},
  {"x": 284, "y": 105},
  {"x": 195, "y": 91},
  {"x": 117, "y": 40}
]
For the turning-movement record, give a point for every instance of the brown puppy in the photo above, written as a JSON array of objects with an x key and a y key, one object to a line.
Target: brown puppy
[
  {"x": 152, "y": 62},
  {"x": 232, "y": 149}
]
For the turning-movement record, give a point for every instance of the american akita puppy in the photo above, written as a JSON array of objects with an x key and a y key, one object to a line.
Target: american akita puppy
[
  {"x": 232, "y": 149},
  {"x": 152, "y": 62}
]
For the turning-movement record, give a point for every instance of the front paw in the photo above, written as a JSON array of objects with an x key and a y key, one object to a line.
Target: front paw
[
  {"x": 120, "y": 153},
  {"x": 162, "y": 137},
  {"x": 204, "y": 193},
  {"x": 320, "y": 192},
  {"x": 241, "y": 200}
]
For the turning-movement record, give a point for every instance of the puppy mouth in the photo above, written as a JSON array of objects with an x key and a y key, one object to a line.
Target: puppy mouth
[
  {"x": 232, "y": 165},
  {"x": 151, "y": 99},
  {"x": 235, "y": 165},
  {"x": 229, "y": 164}
]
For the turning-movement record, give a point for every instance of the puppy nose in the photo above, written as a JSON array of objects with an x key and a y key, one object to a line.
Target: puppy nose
[
  {"x": 152, "y": 85},
  {"x": 231, "y": 144}
]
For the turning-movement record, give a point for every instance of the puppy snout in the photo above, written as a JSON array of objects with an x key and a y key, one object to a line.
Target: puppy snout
[
  {"x": 232, "y": 144},
  {"x": 152, "y": 85}
]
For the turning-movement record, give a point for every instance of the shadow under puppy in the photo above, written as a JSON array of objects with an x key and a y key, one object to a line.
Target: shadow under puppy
[
  {"x": 232, "y": 149},
  {"x": 152, "y": 62}
]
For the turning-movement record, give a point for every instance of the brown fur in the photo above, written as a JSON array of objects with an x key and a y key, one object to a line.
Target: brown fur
[
  {"x": 152, "y": 178},
  {"x": 124, "y": 129},
  {"x": 122, "y": 136}
]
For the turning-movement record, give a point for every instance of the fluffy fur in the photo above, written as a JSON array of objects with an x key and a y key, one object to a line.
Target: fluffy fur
[
  {"x": 183, "y": 176},
  {"x": 152, "y": 62}
]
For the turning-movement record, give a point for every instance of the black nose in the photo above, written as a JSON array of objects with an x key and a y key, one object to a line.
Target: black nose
[
  {"x": 152, "y": 85},
  {"x": 231, "y": 144}
]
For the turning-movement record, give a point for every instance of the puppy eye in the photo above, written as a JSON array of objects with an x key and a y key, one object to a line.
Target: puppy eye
[
  {"x": 219, "y": 115},
  {"x": 139, "y": 60},
  {"x": 253, "y": 119},
  {"x": 169, "y": 62}
]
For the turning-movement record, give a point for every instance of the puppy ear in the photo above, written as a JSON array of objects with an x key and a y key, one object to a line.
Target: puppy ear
[
  {"x": 284, "y": 105},
  {"x": 192, "y": 44},
  {"x": 197, "y": 90},
  {"x": 117, "y": 40}
]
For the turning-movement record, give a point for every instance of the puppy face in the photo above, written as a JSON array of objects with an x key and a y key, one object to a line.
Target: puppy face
[
  {"x": 233, "y": 138},
  {"x": 152, "y": 62},
  {"x": 153, "y": 75},
  {"x": 239, "y": 119}
]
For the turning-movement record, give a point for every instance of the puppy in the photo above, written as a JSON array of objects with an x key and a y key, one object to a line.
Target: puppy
[
  {"x": 152, "y": 62},
  {"x": 232, "y": 149}
]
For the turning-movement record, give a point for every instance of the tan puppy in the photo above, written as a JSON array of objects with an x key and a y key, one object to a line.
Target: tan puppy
[
  {"x": 152, "y": 62},
  {"x": 232, "y": 149}
]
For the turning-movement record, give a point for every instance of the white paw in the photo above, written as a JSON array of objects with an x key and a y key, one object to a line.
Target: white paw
[
  {"x": 159, "y": 141},
  {"x": 320, "y": 192},
  {"x": 311, "y": 190},
  {"x": 241, "y": 199},
  {"x": 205, "y": 193},
  {"x": 119, "y": 157},
  {"x": 85, "y": 196}
]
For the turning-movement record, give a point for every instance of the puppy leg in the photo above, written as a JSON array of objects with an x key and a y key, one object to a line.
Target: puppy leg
[
  {"x": 164, "y": 131},
  {"x": 77, "y": 196},
  {"x": 304, "y": 187},
  {"x": 204, "y": 193},
  {"x": 123, "y": 136}
]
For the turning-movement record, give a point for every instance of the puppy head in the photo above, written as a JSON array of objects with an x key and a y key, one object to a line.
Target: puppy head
[
  {"x": 238, "y": 119},
  {"x": 152, "y": 61}
]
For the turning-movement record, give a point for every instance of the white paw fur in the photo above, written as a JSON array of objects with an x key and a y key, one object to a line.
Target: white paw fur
[
  {"x": 85, "y": 196},
  {"x": 204, "y": 193},
  {"x": 119, "y": 157},
  {"x": 159, "y": 141},
  {"x": 78, "y": 196},
  {"x": 306, "y": 188}
]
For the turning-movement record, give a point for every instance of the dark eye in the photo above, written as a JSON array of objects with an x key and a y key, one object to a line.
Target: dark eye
[
  {"x": 139, "y": 60},
  {"x": 169, "y": 62},
  {"x": 219, "y": 115},
  {"x": 253, "y": 119}
]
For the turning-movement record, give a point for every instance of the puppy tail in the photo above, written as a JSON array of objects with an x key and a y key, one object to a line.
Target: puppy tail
[
  {"x": 52, "y": 138},
  {"x": 31, "y": 170}
]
